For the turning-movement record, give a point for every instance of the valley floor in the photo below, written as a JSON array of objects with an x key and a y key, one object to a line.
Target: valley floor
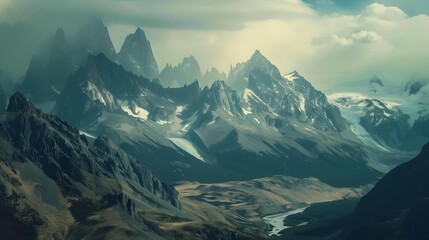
[{"x": 245, "y": 205}]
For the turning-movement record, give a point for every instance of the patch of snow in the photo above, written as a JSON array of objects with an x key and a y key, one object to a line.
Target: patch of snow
[
  {"x": 187, "y": 146},
  {"x": 103, "y": 96},
  {"x": 310, "y": 130},
  {"x": 291, "y": 76},
  {"x": 140, "y": 112},
  {"x": 378, "y": 104},
  {"x": 190, "y": 121},
  {"x": 133, "y": 61},
  {"x": 87, "y": 134},
  {"x": 211, "y": 123},
  {"x": 302, "y": 103},
  {"x": 55, "y": 90},
  {"x": 128, "y": 128},
  {"x": 352, "y": 112},
  {"x": 186, "y": 127},
  {"x": 163, "y": 122},
  {"x": 179, "y": 109},
  {"x": 247, "y": 111},
  {"x": 257, "y": 120},
  {"x": 250, "y": 94}
]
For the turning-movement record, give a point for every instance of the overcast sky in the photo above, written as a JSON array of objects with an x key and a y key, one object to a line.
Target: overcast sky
[{"x": 325, "y": 40}]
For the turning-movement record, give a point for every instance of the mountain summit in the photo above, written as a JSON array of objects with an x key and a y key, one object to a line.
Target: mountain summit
[
  {"x": 48, "y": 70},
  {"x": 238, "y": 77},
  {"x": 183, "y": 74},
  {"x": 93, "y": 37},
  {"x": 136, "y": 55}
]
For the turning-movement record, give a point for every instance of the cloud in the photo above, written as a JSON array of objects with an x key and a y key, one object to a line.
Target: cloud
[
  {"x": 341, "y": 40},
  {"x": 379, "y": 38},
  {"x": 382, "y": 11},
  {"x": 178, "y": 14},
  {"x": 36, "y": 19},
  {"x": 411, "y": 7},
  {"x": 365, "y": 37}
]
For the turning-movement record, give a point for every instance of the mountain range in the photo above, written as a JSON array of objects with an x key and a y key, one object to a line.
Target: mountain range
[
  {"x": 394, "y": 116},
  {"x": 187, "y": 72},
  {"x": 57, "y": 185},
  {"x": 215, "y": 129},
  {"x": 123, "y": 136},
  {"x": 58, "y": 58}
]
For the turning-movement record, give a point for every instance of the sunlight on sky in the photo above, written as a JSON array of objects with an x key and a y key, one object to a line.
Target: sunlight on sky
[{"x": 326, "y": 47}]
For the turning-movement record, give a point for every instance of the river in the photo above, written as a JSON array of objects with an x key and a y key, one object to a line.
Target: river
[{"x": 276, "y": 220}]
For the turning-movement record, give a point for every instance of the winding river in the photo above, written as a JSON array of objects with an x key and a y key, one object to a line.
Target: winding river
[{"x": 276, "y": 220}]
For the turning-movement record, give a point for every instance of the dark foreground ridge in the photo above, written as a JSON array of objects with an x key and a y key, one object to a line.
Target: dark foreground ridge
[{"x": 397, "y": 207}]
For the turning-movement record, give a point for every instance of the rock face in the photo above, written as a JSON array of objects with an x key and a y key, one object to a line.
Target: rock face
[
  {"x": 290, "y": 97},
  {"x": 183, "y": 74},
  {"x": 276, "y": 119},
  {"x": 238, "y": 76},
  {"x": 3, "y": 100},
  {"x": 49, "y": 172},
  {"x": 297, "y": 99},
  {"x": 91, "y": 89},
  {"x": 102, "y": 85},
  {"x": 102, "y": 98},
  {"x": 48, "y": 70},
  {"x": 219, "y": 97},
  {"x": 388, "y": 126},
  {"x": 136, "y": 56},
  {"x": 397, "y": 207}
]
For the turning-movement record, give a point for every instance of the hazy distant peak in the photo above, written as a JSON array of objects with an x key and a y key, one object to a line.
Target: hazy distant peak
[
  {"x": 57, "y": 40},
  {"x": 140, "y": 34},
  {"x": 211, "y": 75},
  {"x": 93, "y": 37},
  {"x": 257, "y": 55},
  {"x": 95, "y": 22},
  {"x": 136, "y": 55},
  {"x": 59, "y": 34},
  {"x": 257, "y": 52},
  {"x": 376, "y": 80},
  {"x": 415, "y": 85},
  {"x": 190, "y": 59},
  {"x": 239, "y": 76},
  {"x": 258, "y": 60}
]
